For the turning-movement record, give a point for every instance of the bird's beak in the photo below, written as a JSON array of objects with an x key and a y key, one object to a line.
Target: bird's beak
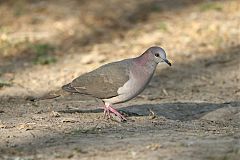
[{"x": 165, "y": 60}]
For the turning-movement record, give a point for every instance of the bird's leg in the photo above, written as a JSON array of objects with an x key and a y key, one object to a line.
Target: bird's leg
[
  {"x": 109, "y": 109},
  {"x": 106, "y": 112}
]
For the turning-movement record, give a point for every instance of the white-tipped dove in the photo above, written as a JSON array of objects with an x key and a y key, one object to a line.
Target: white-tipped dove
[{"x": 119, "y": 81}]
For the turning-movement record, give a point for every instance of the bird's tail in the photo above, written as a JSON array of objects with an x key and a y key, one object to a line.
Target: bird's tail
[
  {"x": 50, "y": 95},
  {"x": 69, "y": 88}
]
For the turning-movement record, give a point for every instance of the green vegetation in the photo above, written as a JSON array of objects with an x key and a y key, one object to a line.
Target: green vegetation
[
  {"x": 210, "y": 6},
  {"x": 163, "y": 26},
  {"x": 42, "y": 52},
  {"x": 156, "y": 8},
  {"x": 4, "y": 83}
]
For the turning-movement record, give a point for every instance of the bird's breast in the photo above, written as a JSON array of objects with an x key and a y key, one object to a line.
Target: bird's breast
[{"x": 138, "y": 80}]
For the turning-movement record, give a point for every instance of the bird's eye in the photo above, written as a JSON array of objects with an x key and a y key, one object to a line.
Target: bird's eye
[{"x": 156, "y": 55}]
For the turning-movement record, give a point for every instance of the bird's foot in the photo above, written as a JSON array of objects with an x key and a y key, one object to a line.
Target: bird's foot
[{"x": 108, "y": 110}]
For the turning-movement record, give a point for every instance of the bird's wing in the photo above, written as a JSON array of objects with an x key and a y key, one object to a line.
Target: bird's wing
[{"x": 103, "y": 82}]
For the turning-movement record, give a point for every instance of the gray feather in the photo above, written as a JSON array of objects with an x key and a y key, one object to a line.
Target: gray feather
[{"x": 103, "y": 82}]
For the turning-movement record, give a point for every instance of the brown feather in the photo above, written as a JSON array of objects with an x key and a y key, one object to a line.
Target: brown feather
[{"x": 103, "y": 82}]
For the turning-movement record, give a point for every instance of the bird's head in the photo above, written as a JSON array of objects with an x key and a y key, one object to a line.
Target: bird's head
[{"x": 157, "y": 54}]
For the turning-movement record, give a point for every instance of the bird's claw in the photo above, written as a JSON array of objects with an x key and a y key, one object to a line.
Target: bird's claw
[{"x": 108, "y": 110}]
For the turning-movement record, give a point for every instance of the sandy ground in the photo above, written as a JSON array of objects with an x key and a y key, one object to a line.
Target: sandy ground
[{"x": 189, "y": 111}]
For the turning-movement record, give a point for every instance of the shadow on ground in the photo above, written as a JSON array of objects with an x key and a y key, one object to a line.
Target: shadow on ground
[
  {"x": 175, "y": 118},
  {"x": 174, "y": 111}
]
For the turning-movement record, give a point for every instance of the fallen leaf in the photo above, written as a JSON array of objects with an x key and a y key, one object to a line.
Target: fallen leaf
[
  {"x": 26, "y": 126},
  {"x": 2, "y": 125},
  {"x": 153, "y": 147},
  {"x": 55, "y": 114}
]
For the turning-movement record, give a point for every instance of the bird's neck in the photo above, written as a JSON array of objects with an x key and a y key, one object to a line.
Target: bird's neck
[{"x": 146, "y": 63}]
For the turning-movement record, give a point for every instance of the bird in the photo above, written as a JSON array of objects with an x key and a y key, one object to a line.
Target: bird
[{"x": 119, "y": 81}]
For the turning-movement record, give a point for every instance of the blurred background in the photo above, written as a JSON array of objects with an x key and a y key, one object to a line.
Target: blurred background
[
  {"x": 185, "y": 112},
  {"x": 44, "y": 44}
]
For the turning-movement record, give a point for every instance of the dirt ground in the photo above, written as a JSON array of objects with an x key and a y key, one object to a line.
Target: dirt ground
[{"x": 188, "y": 111}]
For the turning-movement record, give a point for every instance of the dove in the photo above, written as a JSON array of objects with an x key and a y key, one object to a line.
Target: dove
[{"x": 120, "y": 81}]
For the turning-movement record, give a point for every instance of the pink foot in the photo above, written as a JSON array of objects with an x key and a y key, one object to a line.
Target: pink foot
[{"x": 108, "y": 110}]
